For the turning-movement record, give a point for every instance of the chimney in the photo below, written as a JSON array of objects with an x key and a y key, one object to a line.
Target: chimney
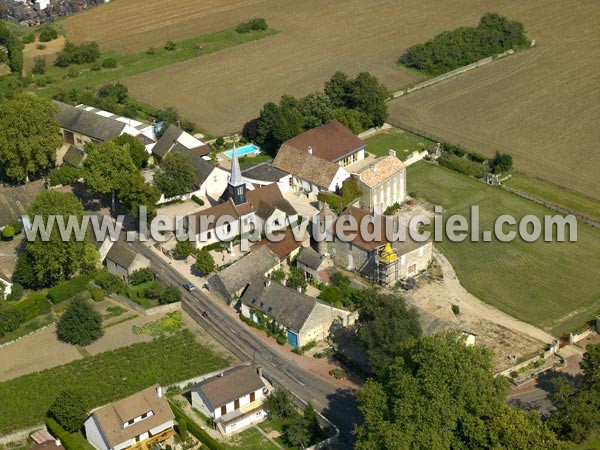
[
  {"x": 373, "y": 168},
  {"x": 259, "y": 370},
  {"x": 393, "y": 153},
  {"x": 159, "y": 392},
  {"x": 57, "y": 442},
  {"x": 299, "y": 289},
  {"x": 268, "y": 282},
  {"x": 221, "y": 374},
  {"x": 178, "y": 124},
  {"x": 309, "y": 150}
]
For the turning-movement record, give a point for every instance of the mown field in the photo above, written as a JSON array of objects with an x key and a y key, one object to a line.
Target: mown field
[
  {"x": 551, "y": 285},
  {"x": 540, "y": 105},
  {"x": 106, "y": 377},
  {"x": 402, "y": 141}
]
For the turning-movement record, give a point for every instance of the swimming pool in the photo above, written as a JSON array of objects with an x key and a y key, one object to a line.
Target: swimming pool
[{"x": 246, "y": 150}]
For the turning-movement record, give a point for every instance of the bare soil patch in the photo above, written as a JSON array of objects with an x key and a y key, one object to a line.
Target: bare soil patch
[{"x": 49, "y": 53}]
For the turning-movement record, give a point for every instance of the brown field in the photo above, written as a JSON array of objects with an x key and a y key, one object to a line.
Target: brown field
[
  {"x": 49, "y": 53},
  {"x": 541, "y": 106},
  {"x": 540, "y": 103}
]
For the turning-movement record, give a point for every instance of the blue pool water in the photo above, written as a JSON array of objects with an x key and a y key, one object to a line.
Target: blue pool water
[{"x": 242, "y": 151}]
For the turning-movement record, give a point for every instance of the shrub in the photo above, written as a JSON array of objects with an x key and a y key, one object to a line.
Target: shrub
[
  {"x": 80, "y": 324},
  {"x": 198, "y": 200},
  {"x": 463, "y": 166},
  {"x": 338, "y": 373},
  {"x": 195, "y": 429},
  {"x": 28, "y": 38},
  {"x": 15, "y": 293},
  {"x": 140, "y": 276},
  {"x": 456, "y": 310},
  {"x": 68, "y": 289},
  {"x": 503, "y": 161},
  {"x": 96, "y": 67},
  {"x": 97, "y": 294},
  {"x": 64, "y": 175},
  {"x": 390, "y": 210},
  {"x": 8, "y": 233},
  {"x": 72, "y": 73},
  {"x": 48, "y": 34},
  {"x": 10, "y": 320},
  {"x": 220, "y": 141},
  {"x": 68, "y": 441},
  {"x": 40, "y": 46},
  {"x": 151, "y": 51},
  {"x": 109, "y": 63},
  {"x": 110, "y": 283},
  {"x": 43, "y": 81},
  {"x": 281, "y": 339},
  {"x": 68, "y": 411},
  {"x": 170, "y": 46},
  {"x": 255, "y": 24},
  {"x": 278, "y": 405},
  {"x": 87, "y": 52},
  {"x": 205, "y": 263},
  {"x": 278, "y": 275},
  {"x": 477, "y": 157},
  {"x": 33, "y": 306},
  {"x": 171, "y": 294},
  {"x": 184, "y": 248},
  {"x": 154, "y": 290}
]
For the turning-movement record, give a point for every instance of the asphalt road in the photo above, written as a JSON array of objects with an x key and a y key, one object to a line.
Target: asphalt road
[{"x": 338, "y": 405}]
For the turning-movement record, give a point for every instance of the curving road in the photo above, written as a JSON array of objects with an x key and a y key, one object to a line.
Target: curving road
[{"x": 338, "y": 405}]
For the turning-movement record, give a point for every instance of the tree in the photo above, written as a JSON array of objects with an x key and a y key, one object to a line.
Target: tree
[
  {"x": 80, "y": 324},
  {"x": 137, "y": 193},
  {"x": 69, "y": 411},
  {"x": 311, "y": 422},
  {"x": 317, "y": 109},
  {"x": 332, "y": 295},
  {"x": 8, "y": 233},
  {"x": 295, "y": 434},
  {"x": 140, "y": 276},
  {"x": 14, "y": 47},
  {"x": 170, "y": 46},
  {"x": 107, "y": 167},
  {"x": 136, "y": 149},
  {"x": 171, "y": 294},
  {"x": 440, "y": 393},
  {"x": 205, "y": 263},
  {"x": 84, "y": 53},
  {"x": 46, "y": 263},
  {"x": 29, "y": 136},
  {"x": 176, "y": 175},
  {"x": 356, "y": 121},
  {"x": 296, "y": 279},
  {"x": 338, "y": 89},
  {"x": 278, "y": 405},
  {"x": 503, "y": 161},
  {"x": 385, "y": 322},
  {"x": 184, "y": 248},
  {"x": 289, "y": 123},
  {"x": 109, "y": 63},
  {"x": 369, "y": 96},
  {"x": 39, "y": 65},
  {"x": 48, "y": 34}
]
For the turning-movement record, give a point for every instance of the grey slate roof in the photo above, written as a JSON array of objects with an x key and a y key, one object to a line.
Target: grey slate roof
[
  {"x": 230, "y": 385},
  {"x": 166, "y": 141},
  {"x": 288, "y": 307},
  {"x": 264, "y": 172},
  {"x": 74, "y": 156},
  {"x": 237, "y": 276},
  {"x": 202, "y": 167},
  {"x": 310, "y": 258},
  {"x": 87, "y": 123},
  {"x": 15, "y": 201},
  {"x": 236, "y": 174},
  {"x": 121, "y": 254}
]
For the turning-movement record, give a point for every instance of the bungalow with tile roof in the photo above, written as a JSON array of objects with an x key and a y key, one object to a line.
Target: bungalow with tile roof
[
  {"x": 331, "y": 142},
  {"x": 379, "y": 260},
  {"x": 286, "y": 247},
  {"x": 122, "y": 260},
  {"x": 233, "y": 280},
  {"x": 234, "y": 398},
  {"x": 302, "y": 318},
  {"x": 383, "y": 183},
  {"x": 309, "y": 173},
  {"x": 137, "y": 422}
]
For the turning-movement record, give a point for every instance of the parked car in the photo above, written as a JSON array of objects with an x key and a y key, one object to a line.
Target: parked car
[{"x": 189, "y": 287}]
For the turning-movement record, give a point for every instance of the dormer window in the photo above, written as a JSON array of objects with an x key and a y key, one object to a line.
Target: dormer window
[{"x": 138, "y": 419}]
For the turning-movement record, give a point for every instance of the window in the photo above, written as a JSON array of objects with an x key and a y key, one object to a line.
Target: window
[
  {"x": 252, "y": 397},
  {"x": 223, "y": 410},
  {"x": 236, "y": 404},
  {"x": 412, "y": 269},
  {"x": 209, "y": 235}
]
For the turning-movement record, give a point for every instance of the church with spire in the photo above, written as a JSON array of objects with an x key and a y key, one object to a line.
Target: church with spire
[{"x": 236, "y": 187}]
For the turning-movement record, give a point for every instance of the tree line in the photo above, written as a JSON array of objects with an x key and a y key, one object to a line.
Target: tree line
[
  {"x": 465, "y": 45},
  {"x": 14, "y": 47},
  {"x": 358, "y": 103}
]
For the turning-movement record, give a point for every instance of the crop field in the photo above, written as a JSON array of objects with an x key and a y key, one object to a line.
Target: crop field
[
  {"x": 550, "y": 285},
  {"x": 540, "y": 105}
]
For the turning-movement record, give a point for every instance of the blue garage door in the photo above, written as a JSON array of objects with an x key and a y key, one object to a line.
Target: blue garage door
[{"x": 292, "y": 339}]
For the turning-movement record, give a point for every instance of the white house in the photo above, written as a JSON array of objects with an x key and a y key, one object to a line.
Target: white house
[
  {"x": 142, "y": 418},
  {"x": 175, "y": 138},
  {"x": 383, "y": 183},
  {"x": 234, "y": 398}
]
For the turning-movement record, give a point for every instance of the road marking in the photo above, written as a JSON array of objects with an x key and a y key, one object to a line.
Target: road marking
[
  {"x": 233, "y": 331},
  {"x": 273, "y": 365}
]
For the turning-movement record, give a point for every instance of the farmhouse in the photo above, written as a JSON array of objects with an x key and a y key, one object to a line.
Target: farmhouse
[
  {"x": 176, "y": 139},
  {"x": 232, "y": 280},
  {"x": 234, "y": 398},
  {"x": 137, "y": 422},
  {"x": 242, "y": 209},
  {"x": 82, "y": 124},
  {"x": 332, "y": 142},
  {"x": 303, "y": 318},
  {"x": 378, "y": 260},
  {"x": 383, "y": 183},
  {"x": 121, "y": 260},
  {"x": 309, "y": 173}
]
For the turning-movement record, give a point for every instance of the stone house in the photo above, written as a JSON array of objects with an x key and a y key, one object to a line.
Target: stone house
[
  {"x": 303, "y": 318},
  {"x": 122, "y": 260},
  {"x": 136, "y": 422},
  {"x": 383, "y": 183},
  {"x": 314, "y": 266},
  {"x": 234, "y": 398}
]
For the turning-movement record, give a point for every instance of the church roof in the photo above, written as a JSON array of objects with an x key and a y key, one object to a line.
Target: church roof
[{"x": 236, "y": 173}]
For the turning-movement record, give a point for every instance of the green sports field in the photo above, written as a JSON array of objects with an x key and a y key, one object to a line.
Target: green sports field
[{"x": 551, "y": 285}]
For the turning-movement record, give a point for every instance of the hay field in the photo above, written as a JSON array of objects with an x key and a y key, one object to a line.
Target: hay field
[
  {"x": 221, "y": 91},
  {"x": 541, "y": 106}
]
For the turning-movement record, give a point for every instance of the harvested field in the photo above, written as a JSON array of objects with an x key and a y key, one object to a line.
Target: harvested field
[
  {"x": 540, "y": 105},
  {"x": 49, "y": 53}
]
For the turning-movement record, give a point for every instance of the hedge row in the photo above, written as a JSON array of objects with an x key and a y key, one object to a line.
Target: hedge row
[
  {"x": 68, "y": 441},
  {"x": 195, "y": 429},
  {"x": 33, "y": 306},
  {"x": 68, "y": 289}
]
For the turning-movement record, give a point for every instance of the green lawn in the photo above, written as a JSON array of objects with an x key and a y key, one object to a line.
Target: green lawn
[
  {"x": 246, "y": 161},
  {"x": 129, "y": 65},
  {"x": 250, "y": 439},
  {"x": 571, "y": 200},
  {"x": 402, "y": 141},
  {"x": 105, "y": 377},
  {"x": 551, "y": 285}
]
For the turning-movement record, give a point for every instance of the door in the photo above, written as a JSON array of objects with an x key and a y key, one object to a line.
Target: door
[
  {"x": 292, "y": 338},
  {"x": 69, "y": 137},
  {"x": 236, "y": 404}
]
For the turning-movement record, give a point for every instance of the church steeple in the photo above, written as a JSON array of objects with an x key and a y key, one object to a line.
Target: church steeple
[{"x": 236, "y": 188}]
